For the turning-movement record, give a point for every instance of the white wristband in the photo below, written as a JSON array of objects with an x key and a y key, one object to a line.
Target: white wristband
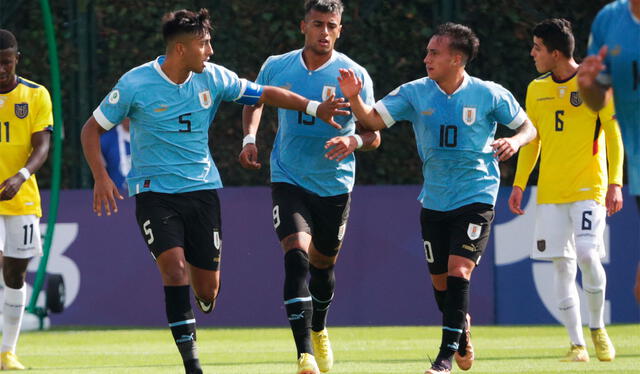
[
  {"x": 312, "y": 107},
  {"x": 358, "y": 140},
  {"x": 249, "y": 139},
  {"x": 25, "y": 173}
]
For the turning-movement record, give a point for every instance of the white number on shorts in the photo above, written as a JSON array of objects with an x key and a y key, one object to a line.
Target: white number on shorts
[
  {"x": 586, "y": 223},
  {"x": 276, "y": 216},
  {"x": 428, "y": 252},
  {"x": 28, "y": 234},
  {"x": 147, "y": 231}
]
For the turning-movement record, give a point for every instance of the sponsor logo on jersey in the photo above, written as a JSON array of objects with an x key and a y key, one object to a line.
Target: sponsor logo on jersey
[
  {"x": 205, "y": 99},
  {"x": 21, "y": 110},
  {"x": 428, "y": 112},
  {"x": 473, "y": 231},
  {"x": 542, "y": 245},
  {"x": 468, "y": 115},
  {"x": 615, "y": 51},
  {"x": 575, "y": 98},
  {"x": 162, "y": 108},
  {"x": 562, "y": 90},
  {"x": 114, "y": 97},
  {"x": 327, "y": 91}
]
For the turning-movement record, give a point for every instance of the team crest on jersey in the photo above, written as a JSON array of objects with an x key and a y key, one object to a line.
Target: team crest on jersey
[
  {"x": 473, "y": 231},
  {"x": 575, "y": 98},
  {"x": 468, "y": 115},
  {"x": 205, "y": 99},
  {"x": 114, "y": 97},
  {"x": 327, "y": 91},
  {"x": 21, "y": 110}
]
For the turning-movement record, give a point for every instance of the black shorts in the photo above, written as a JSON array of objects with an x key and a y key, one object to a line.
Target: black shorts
[
  {"x": 324, "y": 218},
  {"x": 461, "y": 232},
  {"x": 190, "y": 220}
]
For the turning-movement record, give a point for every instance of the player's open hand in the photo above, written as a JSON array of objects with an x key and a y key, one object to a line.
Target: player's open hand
[
  {"x": 332, "y": 107},
  {"x": 249, "y": 157},
  {"x": 590, "y": 67},
  {"x": 10, "y": 187},
  {"x": 613, "y": 201},
  {"x": 515, "y": 200},
  {"x": 105, "y": 194},
  {"x": 340, "y": 147},
  {"x": 504, "y": 148},
  {"x": 350, "y": 83}
]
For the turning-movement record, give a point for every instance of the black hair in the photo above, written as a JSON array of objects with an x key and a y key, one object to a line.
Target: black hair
[
  {"x": 556, "y": 34},
  {"x": 461, "y": 38},
  {"x": 324, "y": 6},
  {"x": 7, "y": 40},
  {"x": 185, "y": 21}
]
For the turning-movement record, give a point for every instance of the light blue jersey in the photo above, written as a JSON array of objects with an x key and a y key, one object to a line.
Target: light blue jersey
[
  {"x": 170, "y": 122},
  {"x": 298, "y": 152},
  {"x": 454, "y": 135},
  {"x": 616, "y": 27}
]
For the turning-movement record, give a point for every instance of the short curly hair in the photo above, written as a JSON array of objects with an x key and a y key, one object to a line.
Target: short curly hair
[
  {"x": 7, "y": 40},
  {"x": 185, "y": 21}
]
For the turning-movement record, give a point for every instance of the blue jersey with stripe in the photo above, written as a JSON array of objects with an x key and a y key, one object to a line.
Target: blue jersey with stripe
[
  {"x": 298, "y": 152},
  {"x": 616, "y": 27},
  {"x": 454, "y": 135},
  {"x": 170, "y": 122}
]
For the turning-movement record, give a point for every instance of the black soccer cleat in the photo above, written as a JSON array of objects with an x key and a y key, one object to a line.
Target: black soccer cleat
[{"x": 205, "y": 306}]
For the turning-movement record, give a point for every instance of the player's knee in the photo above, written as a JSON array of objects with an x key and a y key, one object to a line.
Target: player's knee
[
  {"x": 587, "y": 256},
  {"x": 174, "y": 276},
  {"x": 14, "y": 278},
  {"x": 296, "y": 263}
]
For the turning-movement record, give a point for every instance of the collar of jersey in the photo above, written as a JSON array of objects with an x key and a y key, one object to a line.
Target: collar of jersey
[
  {"x": 465, "y": 82},
  {"x": 156, "y": 65},
  {"x": 332, "y": 59}
]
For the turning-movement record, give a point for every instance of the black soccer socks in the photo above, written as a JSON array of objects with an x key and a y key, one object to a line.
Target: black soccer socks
[
  {"x": 183, "y": 326},
  {"x": 440, "y": 298},
  {"x": 453, "y": 320},
  {"x": 321, "y": 286},
  {"x": 297, "y": 299}
]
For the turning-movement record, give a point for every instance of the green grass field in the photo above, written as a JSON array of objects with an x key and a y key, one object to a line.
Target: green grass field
[{"x": 361, "y": 350}]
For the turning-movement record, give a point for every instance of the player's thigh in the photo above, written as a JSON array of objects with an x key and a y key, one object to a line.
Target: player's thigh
[
  {"x": 20, "y": 236},
  {"x": 158, "y": 217},
  {"x": 470, "y": 230},
  {"x": 588, "y": 220},
  {"x": 435, "y": 236},
  {"x": 330, "y": 215},
  {"x": 291, "y": 213},
  {"x": 553, "y": 233},
  {"x": 203, "y": 229}
]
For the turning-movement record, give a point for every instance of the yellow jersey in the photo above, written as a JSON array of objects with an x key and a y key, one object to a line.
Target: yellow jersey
[
  {"x": 575, "y": 143},
  {"x": 23, "y": 111}
]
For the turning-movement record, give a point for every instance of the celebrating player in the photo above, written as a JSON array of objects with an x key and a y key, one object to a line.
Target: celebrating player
[
  {"x": 454, "y": 118},
  {"x": 311, "y": 193},
  {"x": 171, "y": 102},
  {"x": 25, "y": 133},
  {"x": 574, "y": 192}
]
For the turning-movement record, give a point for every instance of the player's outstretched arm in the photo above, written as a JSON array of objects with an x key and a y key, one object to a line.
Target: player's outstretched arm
[
  {"x": 504, "y": 148},
  {"x": 248, "y": 157},
  {"x": 281, "y": 98},
  {"x": 592, "y": 92},
  {"x": 340, "y": 147},
  {"x": 40, "y": 142},
  {"x": 351, "y": 85},
  {"x": 105, "y": 191}
]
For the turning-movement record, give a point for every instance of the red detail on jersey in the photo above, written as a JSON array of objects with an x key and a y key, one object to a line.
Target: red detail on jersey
[{"x": 595, "y": 147}]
